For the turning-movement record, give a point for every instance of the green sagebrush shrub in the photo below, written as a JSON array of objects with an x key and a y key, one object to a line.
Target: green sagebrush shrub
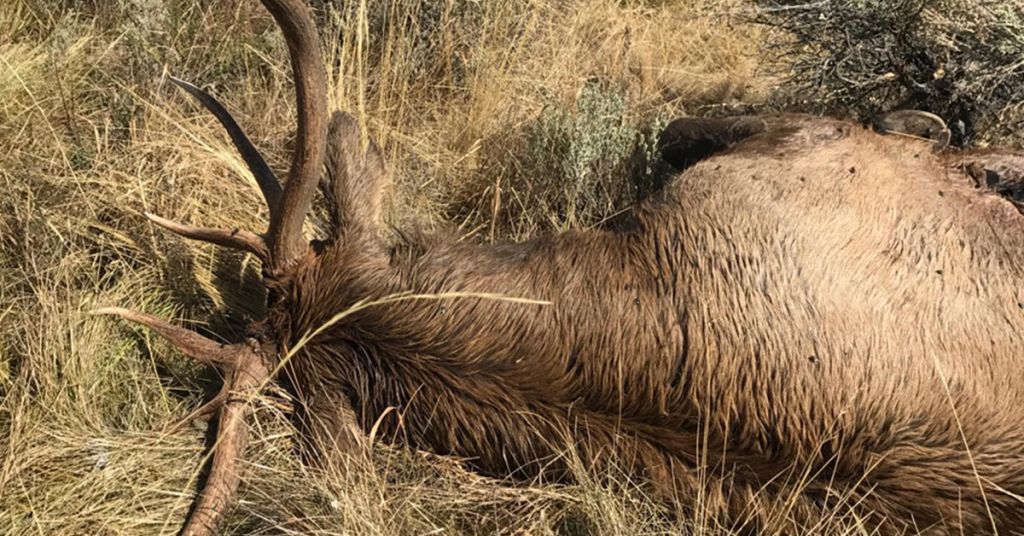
[{"x": 585, "y": 163}]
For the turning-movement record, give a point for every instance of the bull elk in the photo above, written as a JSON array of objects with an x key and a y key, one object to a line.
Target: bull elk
[{"x": 806, "y": 293}]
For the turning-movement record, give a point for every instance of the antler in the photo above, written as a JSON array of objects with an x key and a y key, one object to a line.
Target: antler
[
  {"x": 247, "y": 365},
  {"x": 236, "y": 238},
  {"x": 188, "y": 342},
  {"x": 218, "y": 495},
  {"x": 282, "y": 244},
  {"x": 285, "y": 234},
  {"x": 265, "y": 178}
]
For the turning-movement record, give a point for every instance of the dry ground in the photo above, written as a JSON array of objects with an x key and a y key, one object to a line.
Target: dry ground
[{"x": 500, "y": 119}]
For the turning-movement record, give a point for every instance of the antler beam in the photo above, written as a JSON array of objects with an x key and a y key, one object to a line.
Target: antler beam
[
  {"x": 284, "y": 237},
  {"x": 221, "y": 487}
]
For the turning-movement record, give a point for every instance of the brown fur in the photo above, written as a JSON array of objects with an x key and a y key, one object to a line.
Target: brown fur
[{"x": 814, "y": 300}]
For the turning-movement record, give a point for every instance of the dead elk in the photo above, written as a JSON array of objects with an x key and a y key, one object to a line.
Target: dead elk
[{"x": 814, "y": 312}]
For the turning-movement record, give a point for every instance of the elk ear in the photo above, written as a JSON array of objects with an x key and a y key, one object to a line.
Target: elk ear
[{"x": 354, "y": 182}]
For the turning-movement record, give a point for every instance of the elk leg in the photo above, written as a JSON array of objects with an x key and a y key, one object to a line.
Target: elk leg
[
  {"x": 999, "y": 173},
  {"x": 688, "y": 140},
  {"x": 330, "y": 437}
]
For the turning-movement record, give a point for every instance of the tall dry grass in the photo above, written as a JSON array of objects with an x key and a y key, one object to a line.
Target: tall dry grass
[{"x": 499, "y": 118}]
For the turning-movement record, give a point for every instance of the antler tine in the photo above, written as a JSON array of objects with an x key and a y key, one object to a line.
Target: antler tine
[
  {"x": 235, "y": 238},
  {"x": 189, "y": 342},
  {"x": 265, "y": 178},
  {"x": 284, "y": 237}
]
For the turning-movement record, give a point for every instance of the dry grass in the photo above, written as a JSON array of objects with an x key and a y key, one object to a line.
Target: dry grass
[{"x": 486, "y": 111}]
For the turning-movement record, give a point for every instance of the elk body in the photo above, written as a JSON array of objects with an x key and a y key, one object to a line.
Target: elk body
[{"x": 811, "y": 311}]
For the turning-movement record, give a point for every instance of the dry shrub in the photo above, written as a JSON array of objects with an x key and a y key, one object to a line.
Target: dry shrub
[{"x": 960, "y": 59}]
